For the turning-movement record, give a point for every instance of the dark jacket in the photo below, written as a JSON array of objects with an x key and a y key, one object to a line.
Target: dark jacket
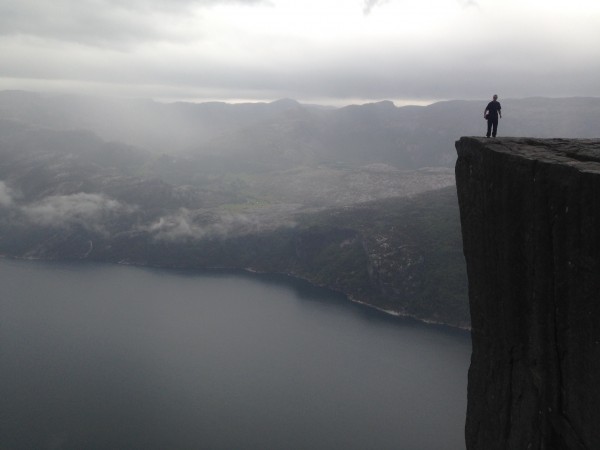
[{"x": 493, "y": 108}]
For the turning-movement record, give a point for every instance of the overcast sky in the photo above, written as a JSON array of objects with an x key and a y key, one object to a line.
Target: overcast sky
[{"x": 321, "y": 51}]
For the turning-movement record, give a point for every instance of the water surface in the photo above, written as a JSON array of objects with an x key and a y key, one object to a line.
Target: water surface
[{"x": 113, "y": 357}]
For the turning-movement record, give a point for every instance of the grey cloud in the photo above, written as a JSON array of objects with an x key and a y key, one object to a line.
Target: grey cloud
[
  {"x": 455, "y": 63},
  {"x": 88, "y": 210},
  {"x": 465, "y": 69},
  {"x": 368, "y": 5},
  {"x": 111, "y": 23},
  {"x": 173, "y": 4},
  {"x": 176, "y": 226},
  {"x": 188, "y": 224},
  {"x": 6, "y": 195},
  {"x": 458, "y": 71},
  {"x": 79, "y": 22}
]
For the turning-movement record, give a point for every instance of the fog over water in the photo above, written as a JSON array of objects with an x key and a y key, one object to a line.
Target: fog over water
[{"x": 99, "y": 357}]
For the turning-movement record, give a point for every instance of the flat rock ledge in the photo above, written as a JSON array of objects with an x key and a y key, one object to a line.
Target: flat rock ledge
[{"x": 530, "y": 217}]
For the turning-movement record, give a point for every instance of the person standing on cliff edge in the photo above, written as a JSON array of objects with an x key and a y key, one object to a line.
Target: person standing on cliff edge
[{"x": 492, "y": 111}]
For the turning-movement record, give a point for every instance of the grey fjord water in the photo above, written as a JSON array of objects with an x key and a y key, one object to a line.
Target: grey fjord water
[{"x": 100, "y": 356}]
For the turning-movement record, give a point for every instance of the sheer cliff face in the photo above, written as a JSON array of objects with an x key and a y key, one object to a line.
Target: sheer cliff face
[{"x": 530, "y": 215}]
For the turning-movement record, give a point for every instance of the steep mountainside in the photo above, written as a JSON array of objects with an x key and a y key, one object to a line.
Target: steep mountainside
[{"x": 530, "y": 214}]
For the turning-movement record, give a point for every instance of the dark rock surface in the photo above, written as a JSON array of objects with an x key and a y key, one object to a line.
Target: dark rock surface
[{"x": 530, "y": 215}]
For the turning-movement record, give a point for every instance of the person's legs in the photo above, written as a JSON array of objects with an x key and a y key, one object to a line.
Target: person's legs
[
  {"x": 495, "y": 128},
  {"x": 489, "y": 128}
]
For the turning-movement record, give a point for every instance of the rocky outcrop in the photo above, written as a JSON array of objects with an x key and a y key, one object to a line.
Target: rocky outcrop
[{"x": 530, "y": 215}]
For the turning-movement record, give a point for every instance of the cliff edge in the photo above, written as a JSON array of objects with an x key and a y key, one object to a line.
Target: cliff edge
[{"x": 530, "y": 216}]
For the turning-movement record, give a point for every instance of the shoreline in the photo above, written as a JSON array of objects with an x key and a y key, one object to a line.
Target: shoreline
[{"x": 252, "y": 271}]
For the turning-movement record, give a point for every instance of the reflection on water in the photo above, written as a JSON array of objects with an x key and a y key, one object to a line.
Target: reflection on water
[{"x": 109, "y": 357}]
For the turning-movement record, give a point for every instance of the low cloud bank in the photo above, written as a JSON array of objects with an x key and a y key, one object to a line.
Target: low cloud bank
[
  {"x": 99, "y": 213},
  {"x": 6, "y": 195},
  {"x": 179, "y": 225},
  {"x": 88, "y": 210},
  {"x": 189, "y": 224}
]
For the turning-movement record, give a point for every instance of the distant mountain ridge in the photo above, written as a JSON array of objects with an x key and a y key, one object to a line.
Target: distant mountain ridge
[{"x": 285, "y": 133}]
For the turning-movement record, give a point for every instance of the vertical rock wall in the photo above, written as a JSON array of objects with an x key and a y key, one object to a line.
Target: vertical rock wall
[{"x": 530, "y": 216}]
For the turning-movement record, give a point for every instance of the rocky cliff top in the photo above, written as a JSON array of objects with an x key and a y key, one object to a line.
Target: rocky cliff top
[
  {"x": 530, "y": 217},
  {"x": 583, "y": 154}
]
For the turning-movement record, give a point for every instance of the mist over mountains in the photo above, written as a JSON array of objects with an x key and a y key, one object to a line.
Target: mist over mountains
[{"x": 359, "y": 199}]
